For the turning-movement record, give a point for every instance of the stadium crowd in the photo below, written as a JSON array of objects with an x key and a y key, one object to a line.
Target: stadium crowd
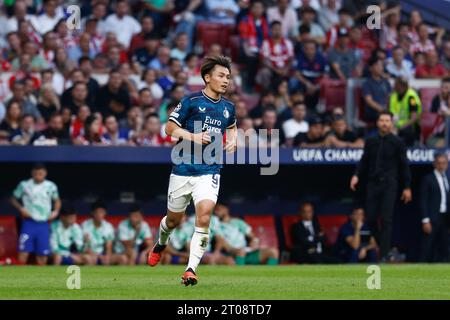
[{"x": 114, "y": 80}]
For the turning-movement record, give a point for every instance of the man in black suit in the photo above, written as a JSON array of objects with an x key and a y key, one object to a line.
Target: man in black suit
[
  {"x": 307, "y": 237},
  {"x": 434, "y": 207},
  {"x": 383, "y": 165}
]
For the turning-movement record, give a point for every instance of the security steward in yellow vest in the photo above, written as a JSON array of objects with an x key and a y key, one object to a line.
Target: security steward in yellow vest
[{"x": 406, "y": 106}]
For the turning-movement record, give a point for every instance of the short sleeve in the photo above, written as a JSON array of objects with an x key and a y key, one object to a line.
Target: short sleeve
[
  {"x": 232, "y": 118},
  {"x": 78, "y": 237},
  {"x": 245, "y": 227},
  {"x": 146, "y": 232},
  {"x": 54, "y": 192},
  {"x": 366, "y": 89},
  {"x": 123, "y": 233},
  {"x": 109, "y": 233},
  {"x": 18, "y": 192},
  {"x": 180, "y": 114}
]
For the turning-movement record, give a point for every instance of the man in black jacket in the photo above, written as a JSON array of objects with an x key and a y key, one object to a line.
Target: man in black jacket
[
  {"x": 307, "y": 237},
  {"x": 382, "y": 165},
  {"x": 434, "y": 207}
]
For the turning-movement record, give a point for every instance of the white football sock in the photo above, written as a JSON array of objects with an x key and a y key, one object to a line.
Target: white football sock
[
  {"x": 199, "y": 243},
  {"x": 164, "y": 232}
]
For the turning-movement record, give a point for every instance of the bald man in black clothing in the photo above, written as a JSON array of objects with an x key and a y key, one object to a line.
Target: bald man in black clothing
[{"x": 383, "y": 165}]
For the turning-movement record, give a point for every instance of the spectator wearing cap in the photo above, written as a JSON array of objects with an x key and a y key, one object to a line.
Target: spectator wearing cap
[
  {"x": 314, "y": 137},
  {"x": 376, "y": 91},
  {"x": 297, "y": 124},
  {"x": 277, "y": 54},
  {"x": 398, "y": 66},
  {"x": 343, "y": 61},
  {"x": 253, "y": 30},
  {"x": 310, "y": 69},
  {"x": 286, "y": 15},
  {"x": 307, "y": 17},
  {"x": 340, "y": 136},
  {"x": 406, "y": 107},
  {"x": 121, "y": 23}
]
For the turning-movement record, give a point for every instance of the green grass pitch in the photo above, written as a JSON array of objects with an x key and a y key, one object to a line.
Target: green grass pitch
[{"x": 407, "y": 281}]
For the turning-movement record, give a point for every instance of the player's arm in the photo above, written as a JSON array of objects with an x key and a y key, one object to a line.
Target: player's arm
[
  {"x": 56, "y": 208},
  {"x": 174, "y": 130},
  {"x": 18, "y": 206},
  {"x": 231, "y": 139}
]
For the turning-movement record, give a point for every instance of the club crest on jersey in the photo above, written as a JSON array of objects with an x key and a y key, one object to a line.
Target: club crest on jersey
[
  {"x": 226, "y": 113},
  {"x": 202, "y": 110},
  {"x": 178, "y": 107}
]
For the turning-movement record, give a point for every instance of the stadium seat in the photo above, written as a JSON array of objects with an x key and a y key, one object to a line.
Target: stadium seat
[
  {"x": 428, "y": 123},
  {"x": 333, "y": 93},
  {"x": 210, "y": 33},
  {"x": 426, "y": 96},
  {"x": 264, "y": 228},
  {"x": 330, "y": 225},
  {"x": 115, "y": 220},
  {"x": 82, "y": 218},
  {"x": 8, "y": 237},
  {"x": 287, "y": 221}
]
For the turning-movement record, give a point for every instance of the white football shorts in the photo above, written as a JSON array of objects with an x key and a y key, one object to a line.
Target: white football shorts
[{"x": 184, "y": 188}]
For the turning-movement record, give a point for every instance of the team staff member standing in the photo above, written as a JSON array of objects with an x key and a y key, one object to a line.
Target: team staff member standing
[
  {"x": 383, "y": 163},
  {"x": 33, "y": 198},
  {"x": 434, "y": 206}
]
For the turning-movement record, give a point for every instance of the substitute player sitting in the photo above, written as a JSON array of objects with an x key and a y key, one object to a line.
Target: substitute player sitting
[
  {"x": 66, "y": 240},
  {"x": 134, "y": 237},
  {"x": 199, "y": 117},
  {"x": 99, "y": 236},
  {"x": 240, "y": 242}
]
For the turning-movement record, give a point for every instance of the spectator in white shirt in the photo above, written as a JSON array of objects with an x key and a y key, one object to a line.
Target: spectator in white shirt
[
  {"x": 329, "y": 15},
  {"x": 398, "y": 66},
  {"x": 124, "y": 25},
  {"x": 48, "y": 20},
  {"x": 297, "y": 124},
  {"x": 222, "y": 11},
  {"x": 20, "y": 12},
  {"x": 286, "y": 15}
]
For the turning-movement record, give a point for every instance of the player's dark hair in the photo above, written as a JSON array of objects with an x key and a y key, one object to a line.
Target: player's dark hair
[
  {"x": 98, "y": 204},
  {"x": 385, "y": 113},
  {"x": 275, "y": 23},
  {"x": 67, "y": 209},
  {"x": 438, "y": 155},
  {"x": 210, "y": 62},
  {"x": 83, "y": 59},
  {"x": 134, "y": 207},
  {"x": 38, "y": 166},
  {"x": 304, "y": 28}
]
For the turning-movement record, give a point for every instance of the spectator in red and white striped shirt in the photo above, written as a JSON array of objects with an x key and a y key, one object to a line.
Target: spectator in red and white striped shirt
[{"x": 277, "y": 54}]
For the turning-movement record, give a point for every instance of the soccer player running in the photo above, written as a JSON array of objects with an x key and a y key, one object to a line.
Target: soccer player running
[{"x": 198, "y": 180}]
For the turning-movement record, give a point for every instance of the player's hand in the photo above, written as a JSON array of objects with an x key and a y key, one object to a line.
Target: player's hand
[
  {"x": 201, "y": 138},
  {"x": 25, "y": 214},
  {"x": 354, "y": 182},
  {"x": 362, "y": 254},
  {"x": 230, "y": 146},
  {"x": 359, "y": 224},
  {"x": 427, "y": 228},
  {"x": 53, "y": 215},
  {"x": 406, "y": 195}
]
